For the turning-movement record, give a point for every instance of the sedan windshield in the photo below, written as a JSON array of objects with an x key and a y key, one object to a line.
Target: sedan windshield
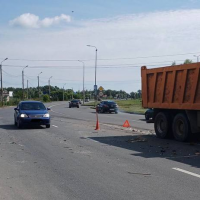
[
  {"x": 75, "y": 101},
  {"x": 32, "y": 106}
]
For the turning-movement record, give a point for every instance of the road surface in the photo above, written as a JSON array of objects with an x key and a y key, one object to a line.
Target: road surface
[{"x": 72, "y": 161}]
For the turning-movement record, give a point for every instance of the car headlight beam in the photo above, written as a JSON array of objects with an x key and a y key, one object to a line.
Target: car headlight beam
[
  {"x": 23, "y": 116},
  {"x": 46, "y": 115}
]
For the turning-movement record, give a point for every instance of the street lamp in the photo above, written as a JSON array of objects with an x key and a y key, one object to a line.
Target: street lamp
[
  {"x": 83, "y": 80},
  {"x": 197, "y": 56},
  {"x": 63, "y": 91},
  {"x": 23, "y": 82},
  {"x": 95, "y": 86},
  {"x": 39, "y": 84},
  {"x": 49, "y": 85},
  {"x": 2, "y": 81}
]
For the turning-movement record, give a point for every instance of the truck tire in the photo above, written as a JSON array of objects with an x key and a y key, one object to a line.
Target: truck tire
[
  {"x": 181, "y": 128},
  {"x": 162, "y": 125}
]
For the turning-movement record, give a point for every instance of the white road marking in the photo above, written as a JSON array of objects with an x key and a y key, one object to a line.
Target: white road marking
[
  {"x": 187, "y": 172},
  {"x": 54, "y": 126}
]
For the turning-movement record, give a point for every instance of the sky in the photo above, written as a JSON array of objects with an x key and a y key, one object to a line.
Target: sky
[{"x": 52, "y": 37}]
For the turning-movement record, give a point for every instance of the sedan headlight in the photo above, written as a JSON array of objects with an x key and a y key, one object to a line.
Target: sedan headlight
[
  {"x": 46, "y": 115},
  {"x": 23, "y": 115}
]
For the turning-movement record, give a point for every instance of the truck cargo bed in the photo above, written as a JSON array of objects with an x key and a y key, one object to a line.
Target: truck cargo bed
[{"x": 174, "y": 87}]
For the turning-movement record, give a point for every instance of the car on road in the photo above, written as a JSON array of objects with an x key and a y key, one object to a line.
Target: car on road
[
  {"x": 87, "y": 100},
  {"x": 107, "y": 106},
  {"x": 74, "y": 103},
  {"x": 149, "y": 114},
  {"x": 31, "y": 113},
  {"x": 79, "y": 101}
]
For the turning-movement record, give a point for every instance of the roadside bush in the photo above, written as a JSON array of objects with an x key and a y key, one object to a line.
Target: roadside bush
[{"x": 46, "y": 98}]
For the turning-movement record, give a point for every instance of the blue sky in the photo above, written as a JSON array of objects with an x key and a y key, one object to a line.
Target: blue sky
[
  {"x": 89, "y": 9},
  {"x": 49, "y": 30}
]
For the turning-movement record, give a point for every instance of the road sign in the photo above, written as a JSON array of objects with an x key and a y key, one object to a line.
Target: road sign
[
  {"x": 100, "y": 94},
  {"x": 101, "y": 88}
]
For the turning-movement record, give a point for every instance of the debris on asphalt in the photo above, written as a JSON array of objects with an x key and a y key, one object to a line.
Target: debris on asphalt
[
  {"x": 197, "y": 152},
  {"x": 174, "y": 152},
  {"x": 137, "y": 139},
  {"x": 13, "y": 143},
  {"x": 143, "y": 174}
]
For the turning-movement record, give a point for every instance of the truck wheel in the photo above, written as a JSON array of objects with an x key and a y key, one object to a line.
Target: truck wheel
[
  {"x": 181, "y": 128},
  {"x": 162, "y": 125}
]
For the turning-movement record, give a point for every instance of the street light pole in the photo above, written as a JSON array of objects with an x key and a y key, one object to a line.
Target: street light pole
[
  {"x": 95, "y": 87},
  {"x": 2, "y": 81},
  {"x": 23, "y": 82},
  {"x": 39, "y": 84},
  {"x": 63, "y": 91},
  {"x": 83, "y": 80},
  {"x": 197, "y": 56},
  {"x": 49, "y": 85},
  {"x": 27, "y": 89}
]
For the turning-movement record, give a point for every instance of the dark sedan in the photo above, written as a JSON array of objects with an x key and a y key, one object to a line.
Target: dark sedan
[
  {"x": 74, "y": 103},
  {"x": 31, "y": 113},
  {"x": 107, "y": 106},
  {"x": 149, "y": 114}
]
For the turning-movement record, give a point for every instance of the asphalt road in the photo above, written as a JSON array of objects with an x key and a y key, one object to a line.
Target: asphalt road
[
  {"x": 72, "y": 161},
  {"x": 88, "y": 114}
]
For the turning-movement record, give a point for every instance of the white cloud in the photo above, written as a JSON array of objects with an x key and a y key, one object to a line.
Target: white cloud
[
  {"x": 147, "y": 34},
  {"x": 29, "y": 20}
]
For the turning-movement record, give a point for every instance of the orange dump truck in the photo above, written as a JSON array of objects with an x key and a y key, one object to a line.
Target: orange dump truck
[{"x": 174, "y": 94}]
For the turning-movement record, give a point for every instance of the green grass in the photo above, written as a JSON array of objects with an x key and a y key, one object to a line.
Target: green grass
[{"x": 132, "y": 106}]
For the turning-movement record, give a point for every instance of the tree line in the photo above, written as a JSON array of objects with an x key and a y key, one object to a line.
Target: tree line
[{"x": 58, "y": 94}]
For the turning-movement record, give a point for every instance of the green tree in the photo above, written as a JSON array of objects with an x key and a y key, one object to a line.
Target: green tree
[
  {"x": 187, "y": 61},
  {"x": 46, "y": 98},
  {"x": 174, "y": 63}
]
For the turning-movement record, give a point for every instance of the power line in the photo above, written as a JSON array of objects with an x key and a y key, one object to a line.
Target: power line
[
  {"x": 69, "y": 60},
  {"x": 8, "y": 74},
  {"x": 133, "y": 65}
]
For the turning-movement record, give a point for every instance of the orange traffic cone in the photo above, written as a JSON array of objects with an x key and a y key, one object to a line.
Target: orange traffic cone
[
  {"x": 97, "y": 125},
  {"x": 126, "y": 124}
]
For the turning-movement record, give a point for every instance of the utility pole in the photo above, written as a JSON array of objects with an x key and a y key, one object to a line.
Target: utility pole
[
  {"x": 95, "y": 86},
  {"x": 2, "y": 81},
  {"x": 197, "y": 56},
  {"x": 27, "y": 89},
  {"x": 39, "y": 84},
  {"x": 49, "y": 85},
  {"x": 83, "y": 80},
  {"x": 63, "y": 92},
  {"x": 23, "y": 82}
]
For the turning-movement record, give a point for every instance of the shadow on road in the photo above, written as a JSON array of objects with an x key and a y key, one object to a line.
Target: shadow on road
[
  {"x": 148, "y": 146},
  {"x": 13, "y": 127}
]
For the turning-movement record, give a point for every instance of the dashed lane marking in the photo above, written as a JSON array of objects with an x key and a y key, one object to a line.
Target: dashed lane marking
[
  {"x": 55, "y": 126},
  {"x": 187, "y": 172}
]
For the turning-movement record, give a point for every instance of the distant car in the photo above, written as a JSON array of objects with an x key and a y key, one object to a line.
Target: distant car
[
  {"x": 74, "y": 103},
  {"x": 149, "y": 114},
  {"x": 87, "y": 100},
  {"x": 107, "y": 106},
  {"x": 31, "y": 113}
]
